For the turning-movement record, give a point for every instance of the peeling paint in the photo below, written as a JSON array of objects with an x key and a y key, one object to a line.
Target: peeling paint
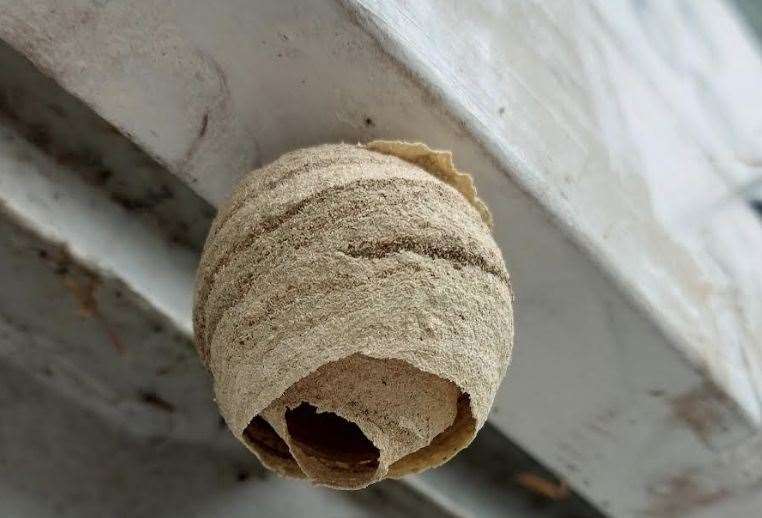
[
  {"x": 542, "y": 486},
  {"x": 681, "y": 493},
  {"x": 703, "y": 410}
]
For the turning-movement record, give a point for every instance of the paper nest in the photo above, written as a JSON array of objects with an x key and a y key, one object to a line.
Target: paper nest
[{"x": 355, "y": 312}]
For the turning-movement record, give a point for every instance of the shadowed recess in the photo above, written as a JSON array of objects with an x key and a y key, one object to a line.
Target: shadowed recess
[
  {"x": 331, "y": 438},
  {"x": 261, "y": 434}
]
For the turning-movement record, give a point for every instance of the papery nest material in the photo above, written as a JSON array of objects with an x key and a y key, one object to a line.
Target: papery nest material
[{"x": 355, "y": 312}]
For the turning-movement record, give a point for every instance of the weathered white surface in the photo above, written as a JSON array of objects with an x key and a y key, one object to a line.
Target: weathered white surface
[
  {"x": 84, "y": 334},
  {"x": 109, "y": 239},
  {"x": 580, "y": 104},
  {"x": 609, "y": 124},
  {"x": 93, "y": 469}
]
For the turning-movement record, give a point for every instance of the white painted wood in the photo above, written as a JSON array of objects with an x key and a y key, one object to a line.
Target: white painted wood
[
  {"x": 105, "y": 471},
  {"x": 625, "y": 121},
  {"x": 85, "y": 334},
  {"x": 93, "y": 324},
  {"x": 613, "y": 183}
]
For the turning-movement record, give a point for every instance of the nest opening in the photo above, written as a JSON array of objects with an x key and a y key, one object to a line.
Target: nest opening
[
  {"x": 331, "y": 438},
  {"x": 262, "y": 436}
]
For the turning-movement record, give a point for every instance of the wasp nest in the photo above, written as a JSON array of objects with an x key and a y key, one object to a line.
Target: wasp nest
[{"x": 355, "y": 312}]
